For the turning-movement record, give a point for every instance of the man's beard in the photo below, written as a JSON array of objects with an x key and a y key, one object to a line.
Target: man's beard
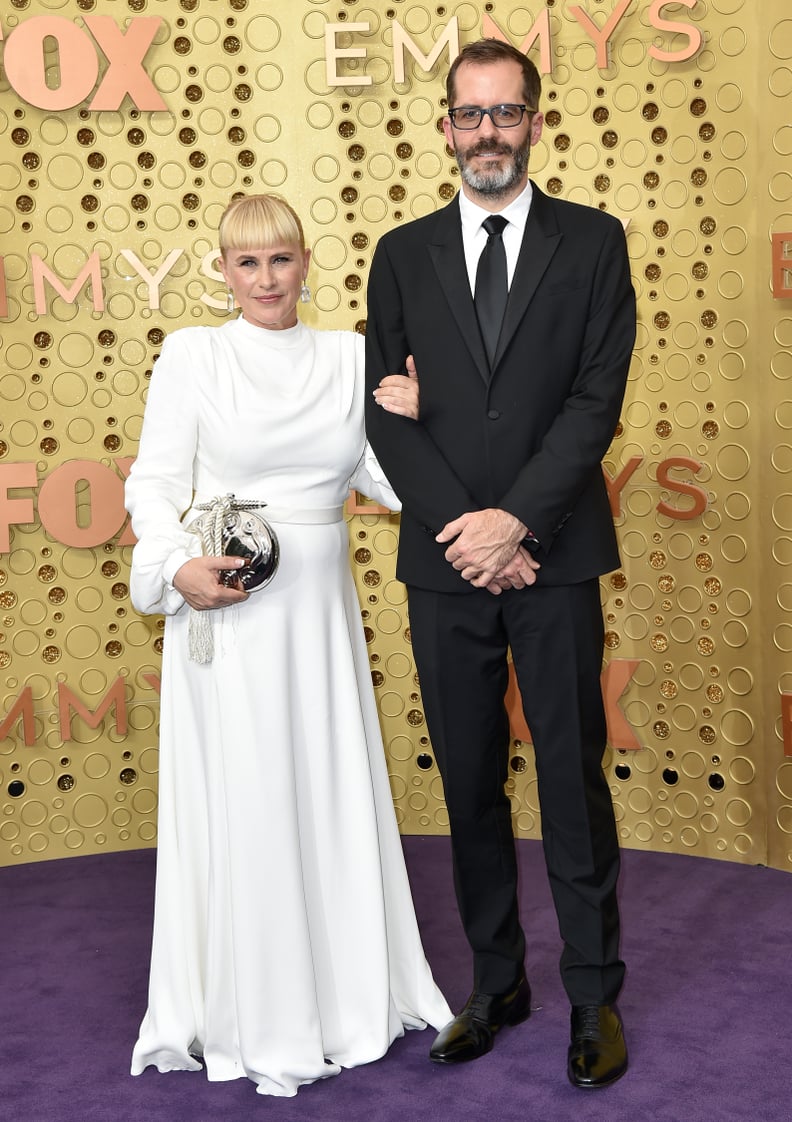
[{"x": 494, "y": 183}]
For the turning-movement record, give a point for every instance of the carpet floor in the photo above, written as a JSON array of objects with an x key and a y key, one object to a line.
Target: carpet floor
[{"x": 706, "y": 1004}]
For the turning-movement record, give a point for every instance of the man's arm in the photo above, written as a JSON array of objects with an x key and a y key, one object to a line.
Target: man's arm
[
  {"x": 549, "y": 485},
  {"x": 417, "y": 470}
]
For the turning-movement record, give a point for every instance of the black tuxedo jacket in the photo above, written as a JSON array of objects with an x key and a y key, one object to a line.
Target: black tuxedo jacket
[{"x": 528, "y": 435}]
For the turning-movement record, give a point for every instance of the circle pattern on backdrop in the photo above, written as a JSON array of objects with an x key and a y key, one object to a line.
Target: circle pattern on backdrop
[{"x": 670, "y": 150}]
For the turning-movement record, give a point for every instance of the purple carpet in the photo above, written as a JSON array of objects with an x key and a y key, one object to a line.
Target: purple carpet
[{"x": 706, "y": 1005}]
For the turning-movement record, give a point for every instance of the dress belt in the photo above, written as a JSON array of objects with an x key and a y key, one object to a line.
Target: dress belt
[{"x": 317, "y": 516}]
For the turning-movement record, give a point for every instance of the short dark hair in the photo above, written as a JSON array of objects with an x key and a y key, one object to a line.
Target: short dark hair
[{"x": 484, "y": 52}]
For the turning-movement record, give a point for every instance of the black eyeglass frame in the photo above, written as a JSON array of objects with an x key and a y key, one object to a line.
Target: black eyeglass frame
[{"x": 488, "y": 111}]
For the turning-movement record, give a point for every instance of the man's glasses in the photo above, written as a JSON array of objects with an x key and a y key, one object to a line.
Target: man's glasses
[{"x": 502, "y": 116}]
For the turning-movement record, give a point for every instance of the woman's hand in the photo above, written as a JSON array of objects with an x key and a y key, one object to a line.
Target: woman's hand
[
  {"x": 398, "y": 393},
  {"x": 198, "y": 580}
]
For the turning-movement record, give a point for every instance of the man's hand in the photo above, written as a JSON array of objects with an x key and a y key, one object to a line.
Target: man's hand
[
  {"x": 519, "y": 573},
  {"x": 398, "y": 393},
  {"x": 198, "y": 580},
  {"x": 485, "y": 542}
]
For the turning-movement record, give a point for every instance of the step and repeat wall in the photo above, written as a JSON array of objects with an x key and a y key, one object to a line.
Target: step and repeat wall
[{"x": 125, "y": 128}]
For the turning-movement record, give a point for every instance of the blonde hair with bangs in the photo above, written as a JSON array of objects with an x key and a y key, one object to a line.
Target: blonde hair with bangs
[{"x": 259, "y": 221}]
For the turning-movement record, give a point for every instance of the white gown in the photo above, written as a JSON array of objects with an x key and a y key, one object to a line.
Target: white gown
[{"x": 285, "y": 943}]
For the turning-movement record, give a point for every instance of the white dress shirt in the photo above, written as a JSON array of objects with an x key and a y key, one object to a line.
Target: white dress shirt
[{"x": 474, "y": 236}]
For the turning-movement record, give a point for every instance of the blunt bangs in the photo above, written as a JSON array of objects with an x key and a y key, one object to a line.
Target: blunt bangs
[{"x": 259, "y": 221}]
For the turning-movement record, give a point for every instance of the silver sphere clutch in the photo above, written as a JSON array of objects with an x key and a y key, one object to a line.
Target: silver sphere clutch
[{"x": 231, "y": 528}]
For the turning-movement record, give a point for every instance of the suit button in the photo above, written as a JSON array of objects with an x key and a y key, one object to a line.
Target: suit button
[{"x": 493, "y": 414}]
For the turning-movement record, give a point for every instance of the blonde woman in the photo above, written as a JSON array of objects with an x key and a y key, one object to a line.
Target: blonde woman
[{"x": 285, "y": 943}]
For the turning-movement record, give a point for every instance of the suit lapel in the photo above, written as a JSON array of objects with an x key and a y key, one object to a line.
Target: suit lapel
[
  {"x": 540, "y": 241},
  {"x": 448, "y": 258}
]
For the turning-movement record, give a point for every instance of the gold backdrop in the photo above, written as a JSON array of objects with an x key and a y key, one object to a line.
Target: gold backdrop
[{"x": 107, "y": 216}]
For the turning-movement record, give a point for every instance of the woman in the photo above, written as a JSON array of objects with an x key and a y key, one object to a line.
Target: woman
[{"x": 285, "y": 943}]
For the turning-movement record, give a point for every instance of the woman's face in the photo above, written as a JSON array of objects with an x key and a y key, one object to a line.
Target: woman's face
[{"x": 266, "y": 283}]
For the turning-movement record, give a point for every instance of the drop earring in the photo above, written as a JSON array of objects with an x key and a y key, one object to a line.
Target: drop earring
[
  {"x": 229, "y": 301},
  {"x": 305, "y": 293}
]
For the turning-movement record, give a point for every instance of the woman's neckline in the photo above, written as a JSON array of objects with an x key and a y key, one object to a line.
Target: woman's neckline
[{"x": 286, "y": 337}]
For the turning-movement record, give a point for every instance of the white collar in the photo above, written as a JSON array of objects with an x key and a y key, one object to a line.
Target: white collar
[{"x": 472, "y": 215}]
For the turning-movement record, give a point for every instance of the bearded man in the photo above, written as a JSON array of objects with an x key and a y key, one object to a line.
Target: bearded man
[{"x": 518, "y": 312}]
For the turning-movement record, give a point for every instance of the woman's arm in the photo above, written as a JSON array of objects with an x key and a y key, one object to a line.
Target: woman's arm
[{"x": 167, "y": 563}]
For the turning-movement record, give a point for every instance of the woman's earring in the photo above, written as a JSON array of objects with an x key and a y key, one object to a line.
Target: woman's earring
[
  {"x": 230, "y": 300},
  {"x": 305, "y": 293}
]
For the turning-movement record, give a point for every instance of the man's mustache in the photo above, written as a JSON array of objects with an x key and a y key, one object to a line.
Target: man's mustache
[{"x": 485, "y": 147}]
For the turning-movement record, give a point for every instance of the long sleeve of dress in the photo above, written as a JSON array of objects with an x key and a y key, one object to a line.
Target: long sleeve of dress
[
  {"x": 370, "y": 479},
  {"x": 160, "y": 485}
]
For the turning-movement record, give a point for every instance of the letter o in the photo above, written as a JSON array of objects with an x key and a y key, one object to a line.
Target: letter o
[
  {"x": 57, "y": 506},
  {"x": 25, "y": 67}
]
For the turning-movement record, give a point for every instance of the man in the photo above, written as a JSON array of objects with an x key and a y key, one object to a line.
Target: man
[{"x": 505, "y": 531}]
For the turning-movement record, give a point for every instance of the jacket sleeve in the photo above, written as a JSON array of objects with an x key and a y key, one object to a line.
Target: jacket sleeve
[
  {"x": 160, "y": 485},
  {"x": 547, "y": 487},
  {"x": 415, "y": 466}
]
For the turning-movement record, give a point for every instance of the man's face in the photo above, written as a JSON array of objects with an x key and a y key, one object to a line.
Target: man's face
[{"x": 493, "y": 162}]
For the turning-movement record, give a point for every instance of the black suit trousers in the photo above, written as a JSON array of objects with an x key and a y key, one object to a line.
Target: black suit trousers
[{"x": 555, "y": 634}]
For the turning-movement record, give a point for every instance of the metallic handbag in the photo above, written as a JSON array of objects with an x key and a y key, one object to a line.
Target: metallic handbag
[{"x": 230, "y": 527}]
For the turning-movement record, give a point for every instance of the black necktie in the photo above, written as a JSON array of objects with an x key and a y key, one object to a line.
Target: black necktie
[{"x": 492, "y": 287}]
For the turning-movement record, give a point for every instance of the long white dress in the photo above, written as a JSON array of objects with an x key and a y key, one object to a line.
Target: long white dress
[{"x": 285, "y": 942}]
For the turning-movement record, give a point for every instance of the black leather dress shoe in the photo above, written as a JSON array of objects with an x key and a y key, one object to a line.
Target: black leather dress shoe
[
  {"x": 471, "y": 1034},
  {"x": 598, "y": 1053}
]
